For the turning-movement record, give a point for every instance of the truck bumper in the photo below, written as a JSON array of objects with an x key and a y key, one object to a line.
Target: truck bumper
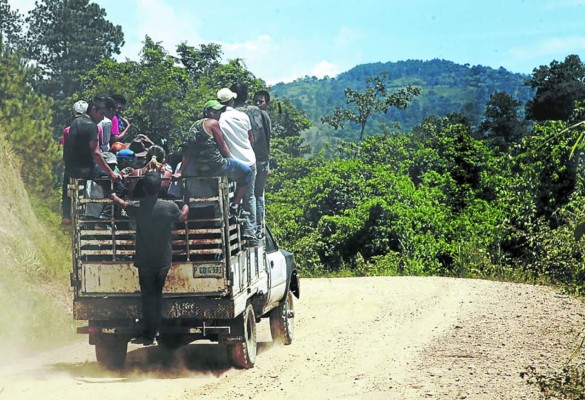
[{"x": 117, "y": 308}]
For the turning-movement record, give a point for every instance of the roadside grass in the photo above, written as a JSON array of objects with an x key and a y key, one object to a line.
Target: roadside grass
[{"x": 34, "y": 264}]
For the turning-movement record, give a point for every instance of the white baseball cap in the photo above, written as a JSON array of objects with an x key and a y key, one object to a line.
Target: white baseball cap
[
  {"x": 80, "y": 107},
  {"x": 224, "y": 95}
]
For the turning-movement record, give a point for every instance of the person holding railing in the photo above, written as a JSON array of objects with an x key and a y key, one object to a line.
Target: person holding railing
[
  {"x": 155, "y": 220},
  {"x": 82, "y": 155},
  {"x": 208, "y": 155}
]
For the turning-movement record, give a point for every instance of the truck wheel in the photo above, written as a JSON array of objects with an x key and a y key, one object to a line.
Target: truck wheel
[
  {"x": 243, "y": 355},
  {"x": 110, "y": 351},
  {"x": 282, "y": 325}
]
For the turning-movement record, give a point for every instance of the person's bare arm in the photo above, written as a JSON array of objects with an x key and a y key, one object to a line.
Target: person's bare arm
[
  {"x": 99, "y": 159},
  {"x": 145, "y": 139},
  {"x": 119, "y": 201},
  {"x": 213, "y": 126},
  {"x": 125, "y": 131},
  {"x": 184, "y": 213},
  {"x": 251, "y": 136}
]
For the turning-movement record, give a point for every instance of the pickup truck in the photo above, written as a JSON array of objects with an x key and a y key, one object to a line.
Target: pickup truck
[{"x": 217, "y": 289}]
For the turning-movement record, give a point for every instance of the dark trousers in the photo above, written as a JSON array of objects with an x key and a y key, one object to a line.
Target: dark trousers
[{"x": 151, "y": 282}]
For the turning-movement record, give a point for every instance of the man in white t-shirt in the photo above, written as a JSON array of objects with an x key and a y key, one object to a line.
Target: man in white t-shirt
[{"x": 237, "y": 130}]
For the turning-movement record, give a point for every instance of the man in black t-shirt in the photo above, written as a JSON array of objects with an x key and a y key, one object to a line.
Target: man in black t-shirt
[
  {"x": 262, "y": 151},
  {"x": 155, "y": 219},
  {"x": 82, "y": 155}
]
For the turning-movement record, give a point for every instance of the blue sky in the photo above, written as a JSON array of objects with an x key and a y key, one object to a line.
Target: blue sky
[{"x": 281, "y": 40}]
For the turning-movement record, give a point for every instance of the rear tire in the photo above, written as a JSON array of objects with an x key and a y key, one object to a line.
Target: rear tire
[
  {"x": 110, "y": 351},
  {"x": 243, "y": 355},
  {"x": 282, "y": 323}
]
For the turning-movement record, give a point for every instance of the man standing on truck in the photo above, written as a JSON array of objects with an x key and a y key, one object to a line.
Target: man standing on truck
[
  {"x": 155, "y": 219},
  {"x": 237, "y": 130},
  {"x": 262, "y": 150},
  {"x": 81, "y": 152},
  {"x": 209, "y": 153},
  {"x": 79, "y": 109}
]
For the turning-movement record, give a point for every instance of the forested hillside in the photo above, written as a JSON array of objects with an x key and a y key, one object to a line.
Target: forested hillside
[{"x": 446, "y": 88}]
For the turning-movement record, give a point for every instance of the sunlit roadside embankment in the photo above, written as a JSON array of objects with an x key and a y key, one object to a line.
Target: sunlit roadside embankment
[{"x": 34, "y": 266}]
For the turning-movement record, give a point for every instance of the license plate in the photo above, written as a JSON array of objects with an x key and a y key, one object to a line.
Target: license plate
[{"x": 207, "y": 270}]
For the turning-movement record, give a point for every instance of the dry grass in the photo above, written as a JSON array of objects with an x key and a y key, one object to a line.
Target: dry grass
[{"x": 34, "y": 266}]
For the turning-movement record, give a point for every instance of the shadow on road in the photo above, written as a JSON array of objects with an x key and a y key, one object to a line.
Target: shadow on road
[{"x": 159, "y": 363}]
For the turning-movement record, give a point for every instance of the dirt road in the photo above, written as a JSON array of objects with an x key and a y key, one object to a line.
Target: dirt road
[{"x": 370, "y": 338}]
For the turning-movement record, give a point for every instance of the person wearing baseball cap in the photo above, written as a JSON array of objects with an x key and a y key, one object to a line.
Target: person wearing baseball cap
[
  {"x": 214, "y": 105},
  {"x": 206, "y": 153},
  {"x": 82, "y": 156},
  {"x": 79, "y": 109},
  {"x": 224, "y": 96},
  {"x": 239, "y": 137}
]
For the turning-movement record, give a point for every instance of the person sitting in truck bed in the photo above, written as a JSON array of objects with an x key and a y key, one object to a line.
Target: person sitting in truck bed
[
  {"x": 155, "y": 219},
  {"x": 209, "y": 153}
]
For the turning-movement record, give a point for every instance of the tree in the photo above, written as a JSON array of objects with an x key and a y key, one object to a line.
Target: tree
[
  {"x": 10, "y": 27},
  {"x": 446, "y": 146},
  {"x": 200, "y": 62},
  {"x": 25, "y": 119},
  {"x": 501, "y": 123},
  {"x": 65, "y": 39},
  {"x": 546, "y": 155},
  {"x": 165, "y": 93},
  {"x": 157, "y": 90},
  {"x": 236, "y": 71},
  {"x": 287, "y": 125},
  {"x": 373, "y": 100},
  {"x": 557, "y": 86}
]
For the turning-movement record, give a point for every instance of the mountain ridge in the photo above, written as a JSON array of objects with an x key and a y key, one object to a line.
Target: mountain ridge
[{"x": 446, "y": 87}]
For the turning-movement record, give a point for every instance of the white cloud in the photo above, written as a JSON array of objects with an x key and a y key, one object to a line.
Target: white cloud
[
  {"x": 550, "y": 47},
  {"x": 251, "y": 50},
  {"x": 261, "y": 56},
  {"x": 325, "y": 68}
]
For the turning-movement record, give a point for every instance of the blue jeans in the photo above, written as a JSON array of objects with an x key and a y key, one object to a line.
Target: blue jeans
[
  {"x": 261, "y": 174},
  {"x": 238, "y": 172},
  {"x": 249, "y": 205},
  {"x": 242, "y": 175}
]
